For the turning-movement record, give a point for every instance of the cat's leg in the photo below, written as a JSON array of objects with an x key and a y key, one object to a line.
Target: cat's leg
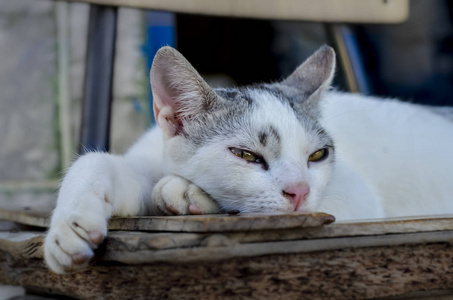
[
  {"x": 175, "y": 195},
  {"x": 96, "y": 186}
]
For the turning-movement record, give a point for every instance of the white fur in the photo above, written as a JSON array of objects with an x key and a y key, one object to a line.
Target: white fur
[
  {"x": 403, "y": 153},
  {"x": 392, "y": 159}
]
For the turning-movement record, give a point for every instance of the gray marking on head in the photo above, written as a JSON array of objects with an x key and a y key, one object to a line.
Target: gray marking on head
[
  {"x": 270, "y": 139},
  {"x": 234, "y": 94},
  {"x": 274, "y": 133},
  {"x": 263, "y": 138},
  {"x": 306, "y": 110},
  {"x": 224, "y": 116},
  {"x": 275, "y": 141}
]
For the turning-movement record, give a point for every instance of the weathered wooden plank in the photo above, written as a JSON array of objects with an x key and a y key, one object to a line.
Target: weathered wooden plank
[
  {"x": 23, "y": 216},
  {"x": 221, "y": 223},
  {"x": 355, "y": 11},
  {"x": 203, "y": 223},
  {"x": 390, "y": 225},
  {"x": 218, "y": 247},
  {"x": 350, "y": 229},
  {"x": 267, "y": 225},
  {"x": 138, "y": 248}
]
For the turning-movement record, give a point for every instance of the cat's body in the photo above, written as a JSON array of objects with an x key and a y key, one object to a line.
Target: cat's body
[
  {"x": 282, "y": 147},
  {"x": 402, "y": 152}
]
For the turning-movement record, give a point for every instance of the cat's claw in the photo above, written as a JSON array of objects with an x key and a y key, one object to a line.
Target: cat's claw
[
  {"x": 71, "y": 240},
  {"x": 174, "y": 195}
]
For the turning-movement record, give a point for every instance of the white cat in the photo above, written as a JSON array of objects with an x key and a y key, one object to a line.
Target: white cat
[{"x": 281, "y": 147}]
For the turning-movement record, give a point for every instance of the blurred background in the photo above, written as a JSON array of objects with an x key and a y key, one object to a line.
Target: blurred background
[{"x": 43, "y": 47}]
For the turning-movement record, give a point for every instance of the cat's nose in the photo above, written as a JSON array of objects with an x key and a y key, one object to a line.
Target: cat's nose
[{"x": 297, "y": 194}]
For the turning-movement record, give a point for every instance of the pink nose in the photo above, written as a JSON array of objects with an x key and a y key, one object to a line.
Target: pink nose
[{"x": 297, "y": 194}]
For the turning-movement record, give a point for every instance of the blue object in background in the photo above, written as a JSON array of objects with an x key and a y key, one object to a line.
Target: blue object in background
[{"x": 160, "y": 31}]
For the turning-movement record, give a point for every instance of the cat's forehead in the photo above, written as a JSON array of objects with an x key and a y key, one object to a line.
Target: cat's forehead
[
  {"x": 261, "y": 104},
  {"x": 271, "y": 118},
  {"x": 254, "y": 95},
  {"x": 274, "y": 115},
  {"x": 269, "y": 100}
]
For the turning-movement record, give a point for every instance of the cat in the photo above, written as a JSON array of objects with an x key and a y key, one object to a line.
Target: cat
[{"x": 293, "y": 145}]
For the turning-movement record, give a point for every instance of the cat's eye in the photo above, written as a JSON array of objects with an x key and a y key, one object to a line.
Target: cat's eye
[
  {"x": 318, "y": 155},
  {"x": 246, "y": 155}
]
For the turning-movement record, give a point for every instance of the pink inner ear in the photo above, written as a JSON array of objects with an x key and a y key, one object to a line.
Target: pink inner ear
[
  {"x": 165, "y": 113},
  {"x": 164, "y": 105},
  {"x": 167, "y": 121},
  {"x": 161, "y": 96},
  {"x": 156, "y": 110}
]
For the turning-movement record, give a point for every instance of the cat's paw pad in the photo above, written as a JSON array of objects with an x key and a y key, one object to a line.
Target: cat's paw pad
[
  {"x": 174, "y": 195},
  {"x": 71, "y": 240}
]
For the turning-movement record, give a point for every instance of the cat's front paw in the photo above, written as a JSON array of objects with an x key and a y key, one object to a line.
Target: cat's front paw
[
  {"x": 174, "y": 195},
  {"x": 72, "y": 237}
]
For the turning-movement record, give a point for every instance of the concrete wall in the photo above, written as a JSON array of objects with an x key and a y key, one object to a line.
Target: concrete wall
[{"x": 37, "y": 38}]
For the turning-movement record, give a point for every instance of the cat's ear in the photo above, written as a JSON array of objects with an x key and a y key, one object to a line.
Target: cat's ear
[
  {"x": 315, "y": 74},
  {"x": 179, "y": 92}
]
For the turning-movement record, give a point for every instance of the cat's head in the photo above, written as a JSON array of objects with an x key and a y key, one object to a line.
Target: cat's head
[{"x": 259, "y": 148}]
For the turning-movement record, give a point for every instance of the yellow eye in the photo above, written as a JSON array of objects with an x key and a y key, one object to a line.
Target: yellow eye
[
  {"x": 236, "y": 151},
  {"x": 248, "y": 156},
  {"x": 318, "y": 155}
]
